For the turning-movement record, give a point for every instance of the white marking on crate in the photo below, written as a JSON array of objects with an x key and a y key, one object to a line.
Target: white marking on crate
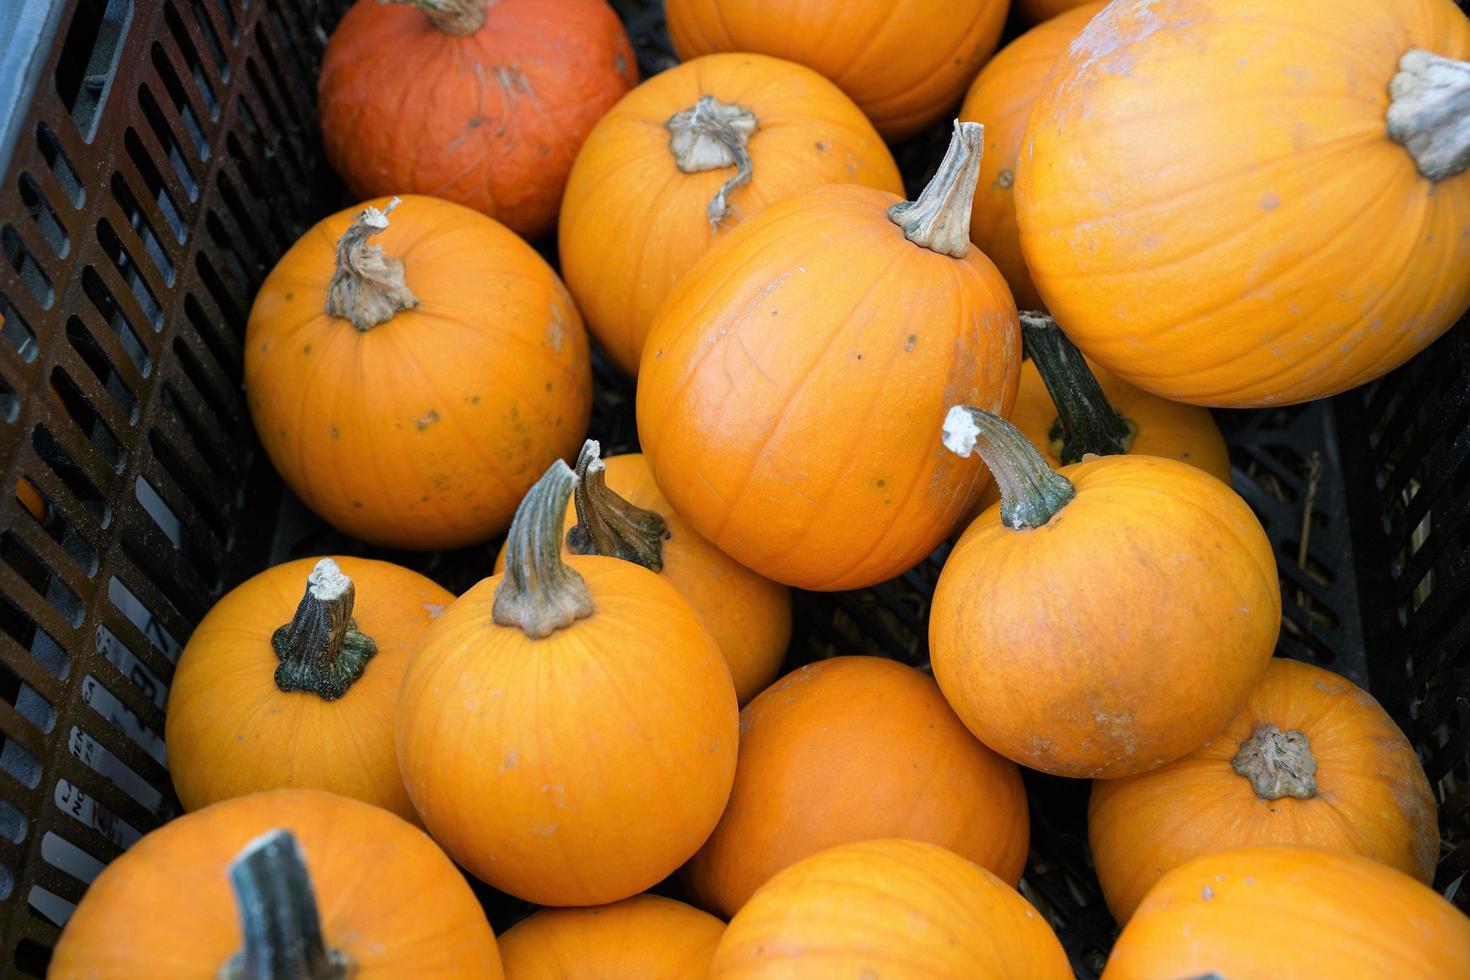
[
  {"x": 106, "y": 704},
  {"x": 81, "y": 807},
  {"x": 94, "y": 754}
]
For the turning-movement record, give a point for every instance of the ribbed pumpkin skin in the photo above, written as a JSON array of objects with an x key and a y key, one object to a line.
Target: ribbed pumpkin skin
[
  {"x": 231, "y": 731},
  {"x": 851, "y": 749},
  {"x": 888, "y": 908},
  {"x": 1210, "y": 203},
  {"x": 1172, "y": 611},
  {"x": 1372, "y": 796},
  {"x": 426, "y": 431},
  {"x": 1038, "y": 11},
  {"x": 817, "y": 325},
  {"x": 626, "y": 178},
  {"x": 1000, "y": 99},
  {"x": 749, "y": 616},
  {"x": 645, "y": 937},
  {"x": 491, "y": 121},
  {"x": 1290, "y": 913},
  {"x": 581, "y": 768},
  {"x": 387, "y": 896}
]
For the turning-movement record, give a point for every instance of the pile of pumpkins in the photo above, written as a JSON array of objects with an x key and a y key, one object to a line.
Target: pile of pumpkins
[{"x": 1204, "y": 202}]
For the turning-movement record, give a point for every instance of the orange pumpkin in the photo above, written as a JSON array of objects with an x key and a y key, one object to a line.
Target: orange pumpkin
[
  {"x": 1214, "y": 200},
  {"x": 1041, "y": 11},
  {"x": 1291, "y": 913},
  {"x": 683, "y": 158},
  {"x": 480, "y": 102},
  {"x": 837, "y": 320},
  {"x": 1001, "y": 99},
  {"x": 626, "y": 517},
  {"x": 384, "y": 901},
  {"x": 888, "y": 908},
  {"x": 1311, "y": 760},
  {"x": 568, "y": 730},
  {"x": 279, "y": 689},
  {"x": 851, "y": 749},
  {"x": 645, "y": 937},
  {"x": 410, "y": 391},
  {"x": 904, "y": 62},
  {"x": 30, "y": 498},
  {"x": 1171, "y": 601}
]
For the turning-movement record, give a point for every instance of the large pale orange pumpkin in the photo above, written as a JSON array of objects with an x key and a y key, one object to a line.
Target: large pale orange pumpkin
[
  {"x": 645, "y": 937},
  {"x": 1311, "y": 760},
  {"x": 626, "y": 517},
  {"x": 888, "y": 908},
  {"x": 1245, "y": 202},
  {"x": 1292, "y": 913},
  {"x": 1104, "y": 618},
  {"x": 480, "y": 102},
  {"x": 411, "y": 380},
  {"x": 381, "y": 897},
  {"x": 851, "y": 749},
  {"x": 794, "y": 382},
  {"x": 279, "y": 689},
  {"x": 904, "y": 62},
  {"x": 567, "y": 730},
  {"x": 685, "y": 157}
]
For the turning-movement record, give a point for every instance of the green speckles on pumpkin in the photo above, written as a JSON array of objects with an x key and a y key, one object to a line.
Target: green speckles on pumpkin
[
  {"x": 911, "y": 343},
  {"x": 428, "y": 420},
  {"x": 289, "y": 296},
  {"x": 306, "y": 350},
  {"x": 335, "y": 432}
]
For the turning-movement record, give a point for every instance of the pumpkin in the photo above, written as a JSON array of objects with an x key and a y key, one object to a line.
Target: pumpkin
[
  {"x": 683, "y": 158},
  {"x": 618, "y": 511},
  {"x": 480, "y": 102},
  {"x": 1311, "y": 759},
  {"x": 1041, "y": 11},
  {"x": 1172, "y": 608},
  {"x": 30, "y": 498},
  {"x": 838, "y": 320},
  {"x": 850, "y": 749},
  {"x": 904, "y": 62},
  {"x": 888, "y": 908},
  {"x": 1243, "y": 202},
  {"x": 567, "y": 730},
  {"x": 1291, "y": 913},
  {"x": 286, "y": 883},
  {"x": 645, "y": 937},
  {"x": 277, "y": 689},
  {"x": 1000, "y": 98},
  {"x": 410, "y": 391}
]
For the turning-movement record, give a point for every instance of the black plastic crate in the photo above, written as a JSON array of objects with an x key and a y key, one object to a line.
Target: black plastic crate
[{"x": 159, "y": 155}]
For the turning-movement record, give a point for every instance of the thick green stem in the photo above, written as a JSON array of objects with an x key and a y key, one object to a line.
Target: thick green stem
[
  {"x": 367, "y": 287},
  {"x": 1429, "y": 112},
  {"x": 1086, "y": 422},
  {"x": 713, "y": 135},
  {"x": 940, "y": 219},
  {"x": 1031, "y": 492},
  {"x": 1277, "y": 763},
  {"x": 278, "y": 916},
  {"x": 540, "y": 593},
  {"x": 609, "y": 525},
  {"x": 321, "y": 650},
  {"x": 458, "y": 17}
]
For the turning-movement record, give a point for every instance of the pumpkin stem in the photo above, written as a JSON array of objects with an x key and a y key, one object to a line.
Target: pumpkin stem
[
  {"x": 713, "y": 135},
  {"x": 1086, "y": 422},
  {"x": 1429, "y": 112},
  {"x": 540, "y": 593},
  {"x": 458, "y": 17},
  {"x": 1031, "y": 492},
  {"x": 1277, "y": 763},
  {"x": 367, "y": 288},
  {"x": 321, "y": 650},
  {"x": 940, "y": 219},
  {"x": 278, "y": 916},
  {"x": 609, "y": 525}
]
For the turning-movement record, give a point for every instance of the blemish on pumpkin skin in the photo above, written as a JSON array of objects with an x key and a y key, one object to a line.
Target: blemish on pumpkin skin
[
  {"x": 1207, "y": 894},
  {"x": 509, "y": 762},
  {"x": 289, "y": 296},
  {"x": 911, "y": 343},
  {"x": 620, "y": 63},
  {"x": 427, "y": 420},
  {"x": 357, "y": 504},
  {"x": 1269, "y": 201},
  {"x": 306, "y": 349},
  {"x": 335, "y": 433},
  {"x": 822, "y": 146}
]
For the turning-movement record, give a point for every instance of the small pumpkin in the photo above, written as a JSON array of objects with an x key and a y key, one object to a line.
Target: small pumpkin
[
  {"x": 1310, "y": 760},
  {"x": 617, "y": 511},
  {"x": 850, "y": 749},
  {"x": 1291, "y": 913},
  {"x": 279, "y": 689},
  {"x": 479, "y": 102},
  {"x": 904, "y": 62},
  {"x": 567, "y": 730},
  {"x": 645, "y": 937},
  {"x": 31, "y": 499},
  {"x": 286, "y": 883},
  {"x": 685, "y": 157},
  {"x": 844, "y": 319},
  {"x": 1171, "y": 598},
  {"x": 1242, "y": 203},
  {"x": 888, "y": 908},
  {"x": 410, "y": 391},
  {"x": 1042, "y": 11}
]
